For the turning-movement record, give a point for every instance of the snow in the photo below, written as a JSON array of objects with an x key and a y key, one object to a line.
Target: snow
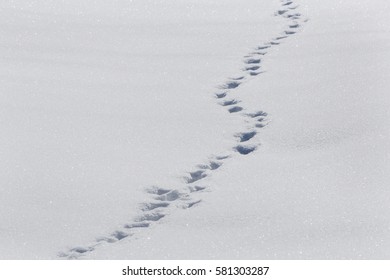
[{"x": 114, "y": 145}]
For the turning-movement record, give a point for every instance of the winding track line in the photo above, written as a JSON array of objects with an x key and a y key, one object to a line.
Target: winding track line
[{"x": 162, "y": 199}]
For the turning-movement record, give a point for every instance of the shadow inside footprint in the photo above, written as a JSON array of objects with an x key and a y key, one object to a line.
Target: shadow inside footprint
[
  {"x": 229, "y": 102},
  {"x": 196, "y": 176},
  {"x": 246, "y": 136},
  {"x": 151, "y": 217},
  {"x": 170, "y": 196},
  {"x": 257, "y": 114},
  {"x": 151, "y": 206},
  {"x": 137, "y": 225},
  {"x": 281, "y": 12},
  {"x": 196, "y": 188},
  {"x": 157, "y": 190},
  {"x": 81, "y": 250},
  {"x": 244, "y": 150},
  {"x": 252, "y": 68},
  {"x": 191, "y": 204},
  {"x": 253, "y": 61},
  {"x": 231, "y": 85},
  {"x": 119, "y": 235},
  {"x": 235, "y": 109},
  {"x": 220, "y": 95}
]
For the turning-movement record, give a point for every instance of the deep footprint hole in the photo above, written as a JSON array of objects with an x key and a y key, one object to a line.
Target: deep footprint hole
[
  {"x": 244, "y": 150},
  {"x": 246, "y": 136},
  {"x": 235, "y": 109}
]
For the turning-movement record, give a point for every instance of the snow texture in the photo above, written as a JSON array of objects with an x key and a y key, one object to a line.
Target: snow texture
[{"x": 194, "y": 130}]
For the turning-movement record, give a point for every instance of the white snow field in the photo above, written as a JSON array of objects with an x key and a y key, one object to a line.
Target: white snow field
[{"x": 151, "y": 129}]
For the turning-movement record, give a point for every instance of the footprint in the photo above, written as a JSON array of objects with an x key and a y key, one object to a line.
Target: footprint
[
  {"x": 281, "y": 37},
  {"x": 263, "y": 47},
  {"x": 294, "y": 16},
  {"x": 252, "y": 68},
  {"x": 287, "y": 3},
  {"x": 259, "y": 53},
  {"x": 212, "y": 165},
  {"x": 289, "y": 32},
  {"x": 258, "y": 114},
  {"x": 137, "y": 225},
  {"x": 260, "y": 125},
  {"x": 254, "y": 73},
  {"x": 238, "y": 79},
  {"x": 170, "y": 196},
  {"x": 252, "y": 61},
  {"x": 196, "y": 176},
  {"x": 296, "y": 25},
  {"x": 220, "y": 95},
  {"x": 246, "y": 136},
  {"x": 235, "y": 109},
  {"x": 293, "y": 7},
  {"x": 215, "y": 165},
  {"x": 196, "y": 188},
  {"x": 244, "y": 150},
  {"x": 81, "y": 250},
  {"x": 281, "y": 12},
  {"x": 106, "y": 239},
  {"x": 229, "y": 102},
  {"x": 231, "y": 85},
  {"x": 153, "y": 205},
  {"x": 151, "y": 217},
  {"x": 191, "y": 204},
  {"x": 157, "y": 190},
  {"x": 222, "y": 157},
  {"x": 119, "y": 235}
]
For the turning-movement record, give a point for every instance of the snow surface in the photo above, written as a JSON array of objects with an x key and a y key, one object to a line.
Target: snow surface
[{"x": 143, "y": 129}]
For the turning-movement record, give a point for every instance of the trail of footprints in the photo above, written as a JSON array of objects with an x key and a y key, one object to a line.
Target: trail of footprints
[{"x": 164, "y": 199}]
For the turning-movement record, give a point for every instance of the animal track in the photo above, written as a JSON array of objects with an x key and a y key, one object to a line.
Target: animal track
[
  {"x": 196, "y": 176},
  {"x": 289, "y": 32},
  {"x": 158, "y": 190},
  {"x": 229, "y": 102},
  {"x": 246, "y": 136},
  {"x": 151, "y": 217},
  {"x": 231, "y": 85},
  {"x": 220, "y": 95},
  {"x": 152, "y": 206},
  {"x": 196, "y": 188},
  {"x": 189, "y": 205},
  {"x": 137, "y": 225},
  {"x": 244, "y": 150},
  {"x": 163, "y": 199},
  {"x": 281, "y": 37},
  {"x": 252, "y": 68},
  {"x": 257, "y": 114},
  {"x": 253, "y": 61},
  {"x": 281, "y": 12},
  {"x": 296, "y": 25},
  {"x": 235, "y": 109},
  {"x": 169, "y": 196},
  {"x": 82, "y": 250},
  {"x": 119, "y": 235},
  {"x": 212, "y": 165}
]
